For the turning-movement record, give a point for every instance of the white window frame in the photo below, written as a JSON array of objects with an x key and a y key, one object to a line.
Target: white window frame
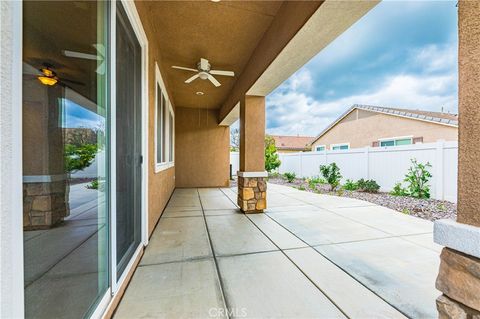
[
  {"x": 394, "y": 139},
  {"x": 137, "y": 26},
  {"x": 324, "y": 148},
  {"x": 159, "y": 165},
  {"x": 339, "y": 144}
]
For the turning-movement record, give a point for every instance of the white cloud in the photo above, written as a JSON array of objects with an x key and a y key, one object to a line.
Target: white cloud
[
  {"x": 433, "y": 58},
  {"x": 291, "y": 112}
]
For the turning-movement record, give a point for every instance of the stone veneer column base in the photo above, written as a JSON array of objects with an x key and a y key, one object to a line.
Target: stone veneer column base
[
  {"x": 252, "y": 194},
  {"x": 459, "y": 280},
  {"x": 44, "y": 204}
]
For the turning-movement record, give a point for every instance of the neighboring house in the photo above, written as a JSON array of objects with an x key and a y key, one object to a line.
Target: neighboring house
[
  {"x": 289, "y": 144},
  {"x": 365, "y": 125}
]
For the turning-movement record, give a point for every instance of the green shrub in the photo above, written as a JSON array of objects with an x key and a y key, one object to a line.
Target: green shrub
[
  {"x": 290, "y": 177},
  {"x": 368, "y": 185},
  {"x": 417, "y": 179},
  {"x": 93, "y": 184},
  {"x": 332, "y": 175},
  {"x": 272, "y": 162},
  {"x": 314, "y": 181},
  {"x": 398, "y": 190},
  {"x": 301, "y": 187},
  {"x": 350, "y": 185}
]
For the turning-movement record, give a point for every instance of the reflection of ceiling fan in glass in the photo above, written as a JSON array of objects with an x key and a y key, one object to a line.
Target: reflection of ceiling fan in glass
[
  {"x": 47, "y": 76},
  {"x": 100, "y": 56},
  {"x": 204, "y": 72}
]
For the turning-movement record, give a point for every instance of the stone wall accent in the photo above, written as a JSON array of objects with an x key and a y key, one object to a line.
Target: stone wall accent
[
  {"x": 44, "y": 204},
  {"x": 448, "y": 308},
  {"x": 252, "y": 194},
  {"x": 459, "y": 278}
]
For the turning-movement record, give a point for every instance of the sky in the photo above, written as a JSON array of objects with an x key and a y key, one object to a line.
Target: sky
[
  {"x": 78, "y": 116},
  {"x": 401, "y": 54}
]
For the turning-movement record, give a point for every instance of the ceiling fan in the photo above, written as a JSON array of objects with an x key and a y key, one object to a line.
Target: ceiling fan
[
  {"x": 47, "y": 76},
  {"x": 204, "y": 72}
]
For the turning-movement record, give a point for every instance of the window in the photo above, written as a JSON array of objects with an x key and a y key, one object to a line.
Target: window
[
  {"x": 320, "y": 148},
  {"x": 337, "y": 147},
  {"x": 164, "y": 127},
  {"x": 396, "y": 141}
]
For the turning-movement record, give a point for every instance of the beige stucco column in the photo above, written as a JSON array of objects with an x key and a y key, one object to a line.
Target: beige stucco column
[
  {"x": 252, "y": 186},
  {"x": 459, "y": 274}
]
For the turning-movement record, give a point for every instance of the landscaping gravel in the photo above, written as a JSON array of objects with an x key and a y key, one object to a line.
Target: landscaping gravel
[{"x": 430, "y": 209}]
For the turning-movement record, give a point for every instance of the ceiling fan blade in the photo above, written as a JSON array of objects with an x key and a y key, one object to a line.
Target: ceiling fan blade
[
  {"x": 80, "y": 55},
  {"x": 71, "y": 81},
  {"x": 213, "y": 80},
  {"x": 203, "y": 64},
  {"x": 30, "y": 70},
  {"x": 192, "y": 78},
  {"x": 183, "y": 68},
  {"x": 220, "y": 72}
]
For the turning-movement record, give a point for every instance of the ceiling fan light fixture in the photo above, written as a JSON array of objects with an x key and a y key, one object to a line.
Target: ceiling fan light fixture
[
  {"x": 203, "y": 75},
  {"x": 46, "y": 80}
]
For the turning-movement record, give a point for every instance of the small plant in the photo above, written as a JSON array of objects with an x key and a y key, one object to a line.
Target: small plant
[
  {"x": 93, "y": 184},
  {"x": 441, "y": 207},
  {"x": 332, "y": 175},
  {"x": 398, "y": 190},
  {"x": 417, "y": 179},
  {"x": 314, "y": 181},
  {"x": 406, "y": 211},
  {"x": 340, "y": 192},
  {"x": 368, "y": 185},
  {"x": 290, "y": 177},
  {"x": 350, "y": 185},
  {"x": 274, "y": 175},
  {"x": 301, "y": 187}
]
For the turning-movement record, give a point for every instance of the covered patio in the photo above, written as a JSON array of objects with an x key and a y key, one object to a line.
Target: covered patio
[{"x": 308, "y": 255}]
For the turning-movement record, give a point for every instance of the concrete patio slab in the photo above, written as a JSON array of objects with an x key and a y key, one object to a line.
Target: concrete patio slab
[
  {"x": 177, "y": 239},
  {"x": 185, "y": 191},
  {"x": 210, "y": 192},
  {"x": 217, "y": 202},
  {"x": 51, "y": 247},
  {"x": 273, "y": 288},
  {"x": 386, "y": 219},
  {"x": 400, "y": 271},
  {"x": 353, "y": 298},
  {"x": 424, "y": 240},
  {"x": 235, "y": 234},
  {"x": 279, "y": 235},
  {"x": 171, "y": 213},
  {"x": 364, "y": 267},
  {"x": 185, "y": 201},
  {"x": 216, "y": 212},
  {"x": 174, "y": 290},
  {"x": 323, "y": 227}
]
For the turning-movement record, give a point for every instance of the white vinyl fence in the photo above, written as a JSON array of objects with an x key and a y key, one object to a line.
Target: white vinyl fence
[{"x": 385, "y": 165}]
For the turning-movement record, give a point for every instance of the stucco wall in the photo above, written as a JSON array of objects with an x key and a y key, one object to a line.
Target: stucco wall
[
  {"x": 469, "y": 111},
  {"x": 360, "y": 128},
  {"x": 161, "y": 184},
  {"x": 202, "y": 149}
]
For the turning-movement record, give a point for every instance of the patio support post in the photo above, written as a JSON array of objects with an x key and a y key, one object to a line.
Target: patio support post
[
  {"x": 459, "y": 274},
  {"x": 252, "y": 186}
]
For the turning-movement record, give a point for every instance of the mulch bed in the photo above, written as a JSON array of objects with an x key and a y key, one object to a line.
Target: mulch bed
[{"x": 430, "y": 209}]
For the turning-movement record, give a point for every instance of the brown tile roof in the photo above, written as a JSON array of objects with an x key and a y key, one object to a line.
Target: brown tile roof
[
  {"x": 429, "y": 116},
  {"x": 299, "y": 143},
  {"x": 440, "y": 117}
]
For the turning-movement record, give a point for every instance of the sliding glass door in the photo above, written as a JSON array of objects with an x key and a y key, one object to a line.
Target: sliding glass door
[{"x": 65, "y": 182}]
